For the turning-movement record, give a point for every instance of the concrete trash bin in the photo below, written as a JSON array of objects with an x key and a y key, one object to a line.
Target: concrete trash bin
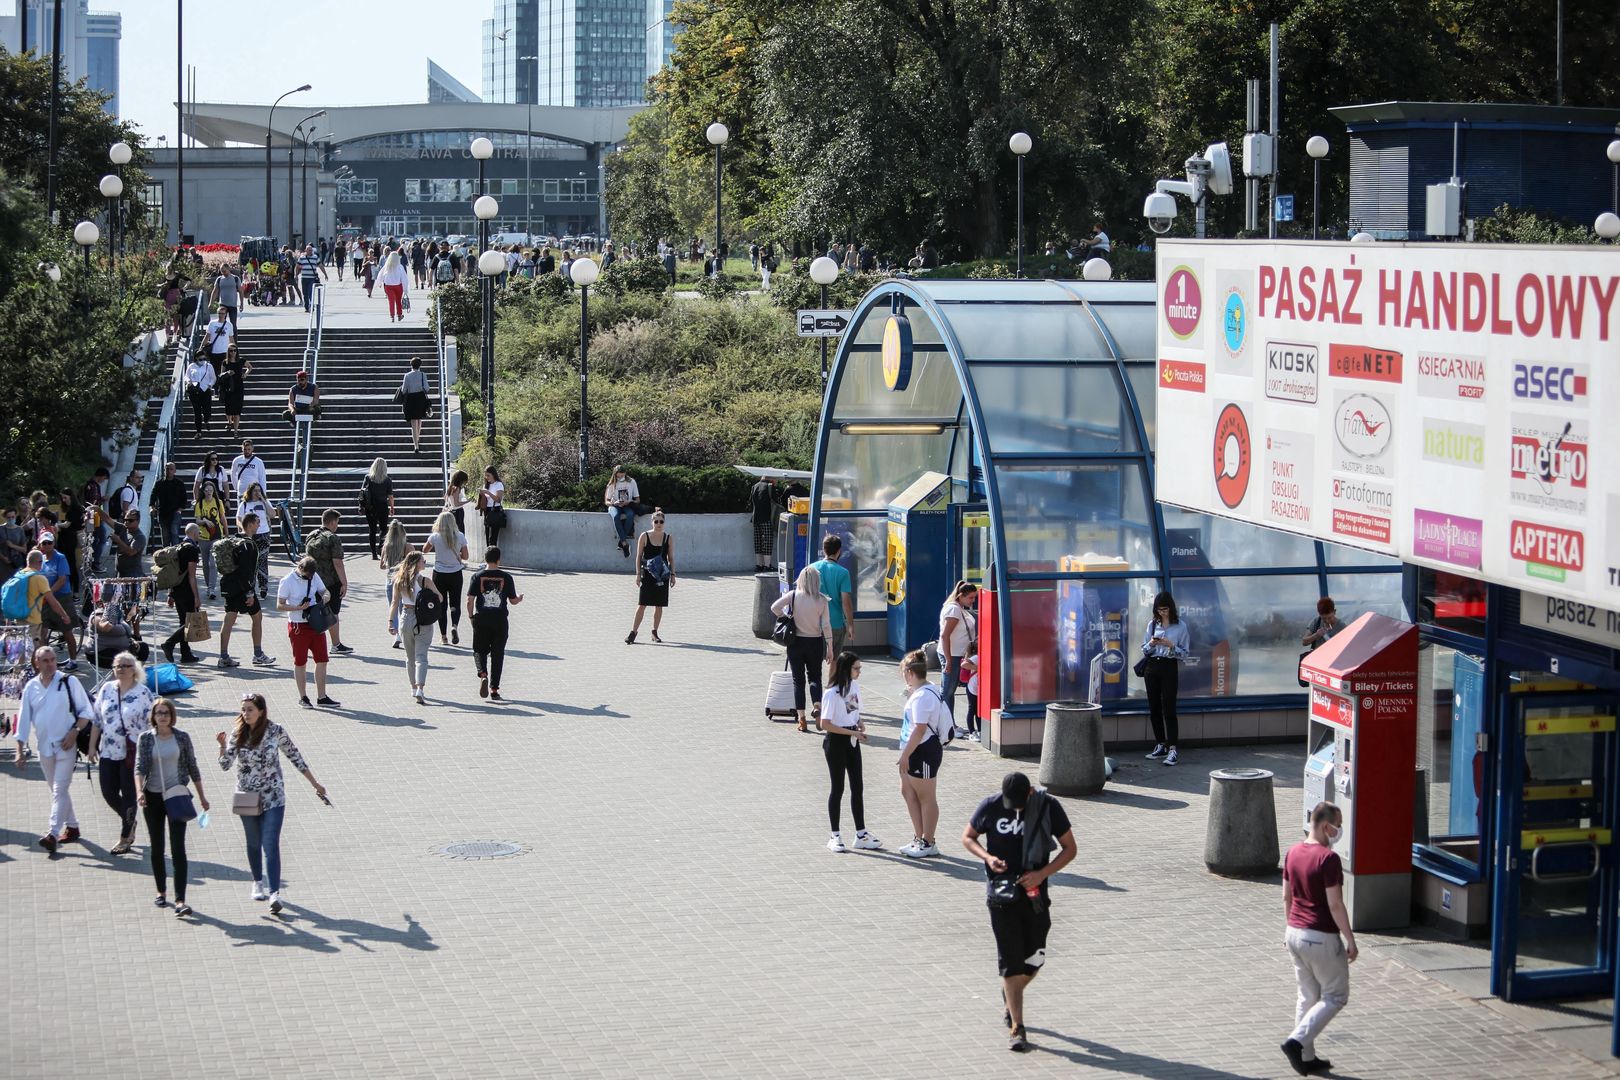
[
  {"x": 1241, "y": 837},
  {"x": 1072, "y": 761},
  {"x": 767, "y": 588}
]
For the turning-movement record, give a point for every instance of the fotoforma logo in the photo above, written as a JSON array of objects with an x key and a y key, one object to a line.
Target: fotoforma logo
[{"x": 1291, "y": 371}]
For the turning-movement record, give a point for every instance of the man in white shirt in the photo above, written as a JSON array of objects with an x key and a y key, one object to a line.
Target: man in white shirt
[
  {"x": 56, "y": 707},
  {"x": 298, "y": 592},
  {"x": 248, "y": 469},
  {"x": 200, "y": 379}
]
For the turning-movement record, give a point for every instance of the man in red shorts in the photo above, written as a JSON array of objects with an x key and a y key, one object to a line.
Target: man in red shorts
[{"x": 298, "y": 593}]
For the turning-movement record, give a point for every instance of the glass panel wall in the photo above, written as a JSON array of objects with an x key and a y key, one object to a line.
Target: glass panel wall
[
  {"x": 934, "y": 392},
  {"x": 1199, "y": 542},
  {"x": 1027, "y": 332},
  {"x": 866, "y": 472},
  {"x": 1054, "y": 408},
  {"x": 1093, "y": 514}
]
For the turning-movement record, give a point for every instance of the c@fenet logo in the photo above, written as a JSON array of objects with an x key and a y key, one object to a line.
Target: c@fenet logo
[
  {"x": 1183, "y": 302},
  {"x": 1233, "y": 456}
]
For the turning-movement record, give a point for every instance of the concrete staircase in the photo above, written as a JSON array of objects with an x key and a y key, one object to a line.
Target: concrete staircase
[{"x": 359, "y": 370}]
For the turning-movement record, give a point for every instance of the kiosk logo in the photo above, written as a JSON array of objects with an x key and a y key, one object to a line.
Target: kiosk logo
[
  {"x": 1547, "y": 464},
  {"x": 1232, "y": 456},
  {"x": 1548, "y": 552},
  {"x": 1291, "y": 371},
  {"x": 1183, "y": 302}
]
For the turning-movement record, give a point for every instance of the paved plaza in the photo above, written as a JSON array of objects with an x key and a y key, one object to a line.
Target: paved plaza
[{"x": 672, "y": 911}]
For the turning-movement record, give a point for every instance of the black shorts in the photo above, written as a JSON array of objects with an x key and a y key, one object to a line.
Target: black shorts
[
  {"x": 924, "y": 764},
  {"x": 1020, "y": 937},
  {"x": 335, "y": 604},
  {"x": 242, "y": 603}
]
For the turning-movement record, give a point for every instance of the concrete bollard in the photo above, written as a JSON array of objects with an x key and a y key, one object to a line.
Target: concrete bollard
[
  {"x": 1072, "y": 755},
  {"x": 1241, "y": 836},
  {"x": 767, "y": 588}
]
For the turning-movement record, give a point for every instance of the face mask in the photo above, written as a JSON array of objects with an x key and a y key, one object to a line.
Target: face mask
[{"x": 1333, "y": 832}]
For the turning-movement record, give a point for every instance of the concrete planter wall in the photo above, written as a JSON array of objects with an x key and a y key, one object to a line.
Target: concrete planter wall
[{"x": 560, "y": 540}]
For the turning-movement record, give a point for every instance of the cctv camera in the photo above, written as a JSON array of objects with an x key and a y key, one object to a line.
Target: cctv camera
[{"x": 1160, "y": 211}]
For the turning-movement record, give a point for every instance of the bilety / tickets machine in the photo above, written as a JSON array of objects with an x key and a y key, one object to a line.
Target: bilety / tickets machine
[{"x": 1362, "y": 756}]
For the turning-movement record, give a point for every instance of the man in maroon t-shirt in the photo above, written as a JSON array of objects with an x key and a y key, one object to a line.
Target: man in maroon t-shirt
[{"x": 1313, "y": 897}]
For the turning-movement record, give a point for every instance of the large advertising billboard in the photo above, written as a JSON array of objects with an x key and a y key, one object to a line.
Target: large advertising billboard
[{"x": 1443, "y": 403}]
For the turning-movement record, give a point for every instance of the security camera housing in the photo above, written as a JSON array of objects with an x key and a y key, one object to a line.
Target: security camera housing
[{"x": 1160, "y": 210}]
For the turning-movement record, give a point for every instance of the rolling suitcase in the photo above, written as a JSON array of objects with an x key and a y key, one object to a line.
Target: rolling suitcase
[{"x": 779, "y": 695}]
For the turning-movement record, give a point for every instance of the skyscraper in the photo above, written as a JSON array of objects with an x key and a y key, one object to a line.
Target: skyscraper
[
  {"x": 103, "y": 31},
  {"x": 571, "y": 52},
  {"x": 660, "y": 35},
  {"x": 90, "y": 41}
]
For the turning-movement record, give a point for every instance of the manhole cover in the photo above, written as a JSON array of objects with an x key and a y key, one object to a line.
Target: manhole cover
[{"x": 480, "y": 849}]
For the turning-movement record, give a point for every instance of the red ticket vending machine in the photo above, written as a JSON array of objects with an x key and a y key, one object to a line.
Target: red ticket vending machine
[{"x": 1363, "y": 756}]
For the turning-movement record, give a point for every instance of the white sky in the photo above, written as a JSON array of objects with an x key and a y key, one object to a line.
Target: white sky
[{"x": 352, "y": 52}]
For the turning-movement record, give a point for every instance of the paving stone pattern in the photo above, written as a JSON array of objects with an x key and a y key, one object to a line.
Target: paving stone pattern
[{"x": 673, "y": 912}]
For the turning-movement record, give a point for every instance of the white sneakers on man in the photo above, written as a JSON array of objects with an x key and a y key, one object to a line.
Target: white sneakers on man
[{"x": 258, "y": 891}]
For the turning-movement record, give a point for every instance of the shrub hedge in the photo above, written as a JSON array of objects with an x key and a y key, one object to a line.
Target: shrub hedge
[{"x": 706, "y": 489}]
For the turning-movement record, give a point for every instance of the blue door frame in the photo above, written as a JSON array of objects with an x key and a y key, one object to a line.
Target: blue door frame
[{"x": 1517, "y": 816}]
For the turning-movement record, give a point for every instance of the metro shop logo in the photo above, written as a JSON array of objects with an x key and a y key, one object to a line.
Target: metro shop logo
[{"x": 1556, "y": 383}]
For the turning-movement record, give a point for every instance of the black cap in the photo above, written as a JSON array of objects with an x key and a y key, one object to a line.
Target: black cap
[{"x": 1015, "y": 787}]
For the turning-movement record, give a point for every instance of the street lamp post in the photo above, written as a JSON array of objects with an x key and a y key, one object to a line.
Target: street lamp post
[
  {"x": 1317, "y": 147},
  {"x": 269, "y": 126},
  {"x": 1020, "y": 144},
  {"x": 491, "y": 264},
  {"x": 303, "y": 184},
  {"x": 1614, "y": 160},
  {"x": 717, "y": 134},
  {"x": 112, "y": 189},
  {"x": 180, "y": 122},
  {"x": 528, "y": 159},
  {"x": 56, "y": 105},
  {"x": 85, "y": 234},
  {"x": 584, "y": 272},
  {"x": 823, "y": 271},
  {"x": 482, "y": 150},
  {"x": 119, "y": 153},
  {"x": 298, "y": 131}
]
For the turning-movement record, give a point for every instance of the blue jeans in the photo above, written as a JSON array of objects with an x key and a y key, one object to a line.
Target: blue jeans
[
  {"x": 624, "y": 521},
  {"x": 948, "y": 685},
  {"x": 172, "y": 528},
  {"x": 307, "y": 287},
  {"x": 264, "y": 845},
  {"x": 98, "y": 543}
]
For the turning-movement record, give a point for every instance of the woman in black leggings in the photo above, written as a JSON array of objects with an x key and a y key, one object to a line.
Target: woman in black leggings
[
  {"x": 164, "y": 759},
  {"x": 841, "y": 720},
  {"x": 447, "y": 545}
]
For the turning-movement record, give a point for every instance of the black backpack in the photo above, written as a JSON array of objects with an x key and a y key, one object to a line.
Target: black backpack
[{"x": 429, "y": 606}]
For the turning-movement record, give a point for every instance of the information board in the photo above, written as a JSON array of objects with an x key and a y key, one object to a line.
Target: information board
[{"x": 1443, "y": 403}]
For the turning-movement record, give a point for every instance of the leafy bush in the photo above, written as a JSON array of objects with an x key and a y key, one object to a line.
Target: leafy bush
[
  {"x": 794, "y": 290},
  {"x": 458, "y": 303},
  {"x": 634, "y": 276},
  {"x": 546, "y": 288},
  {"x": 708, "y": 489},
  {"x": 543, "y": 467},
  {"x": 1507, "y": 225},
  {"x": 716, "y": 288}
]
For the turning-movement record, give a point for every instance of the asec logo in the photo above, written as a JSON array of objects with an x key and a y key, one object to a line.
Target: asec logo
[{"x": 1559, "y": 383}]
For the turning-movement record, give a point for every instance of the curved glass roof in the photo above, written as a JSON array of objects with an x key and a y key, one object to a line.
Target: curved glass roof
[{"x": 1037, "y": 399}]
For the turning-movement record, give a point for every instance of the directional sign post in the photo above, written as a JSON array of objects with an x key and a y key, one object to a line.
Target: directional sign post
[
  {"x": 1285, "y": 208},
  {"x": 823, "y": 323}
]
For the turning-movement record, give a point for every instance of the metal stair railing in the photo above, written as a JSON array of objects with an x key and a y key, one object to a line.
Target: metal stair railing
[
  {"x": 444, "y": 406},
  {"x": 303, "y": 431},
  {"x": 169, "y": 415}
]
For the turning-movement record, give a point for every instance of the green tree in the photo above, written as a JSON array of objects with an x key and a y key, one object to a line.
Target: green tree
[
  {"x": 84, "y": 131},
  {"x": 63, "y": 349}
]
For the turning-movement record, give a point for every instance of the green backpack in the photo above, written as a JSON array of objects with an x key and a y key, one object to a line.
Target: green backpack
[
  {"x": 235, "y": 555},
  {"x": 167, "y": 567}
]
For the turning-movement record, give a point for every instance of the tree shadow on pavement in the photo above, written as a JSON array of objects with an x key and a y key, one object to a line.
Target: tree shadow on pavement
[
  {"x": 297, "y": 927},
  {"x": 1102, "y": 1056}
]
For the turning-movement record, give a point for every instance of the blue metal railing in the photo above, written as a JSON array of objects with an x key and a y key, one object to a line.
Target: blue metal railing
[
  {"x": 444, "y": 404},
  {"x": 169, "y": 415}
]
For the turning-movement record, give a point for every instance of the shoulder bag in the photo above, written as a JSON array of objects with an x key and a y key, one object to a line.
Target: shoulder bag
[
  {"x": 177, "y": 799},
  {"x": 1140, "y": 667},
  {"x": 784, "y": 630},
  {"x": 317, "y": 617}
]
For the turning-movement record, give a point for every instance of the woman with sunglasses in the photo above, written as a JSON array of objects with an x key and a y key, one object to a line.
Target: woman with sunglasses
[
  {"x": 123, "y": 708},
  {"x": 841, "y": 720},
  {"x": 164, "y": 759},
  {"x": 253, "y": 748}
]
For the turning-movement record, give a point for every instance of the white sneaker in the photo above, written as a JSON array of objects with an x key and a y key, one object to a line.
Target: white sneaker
[
  {"x": 836, "y": 843},
  {"x": 912, "y": 849},
  {"x": 960, "y": 733},
  {"x": 974, "y": 736},
  {"x": 868, "y": 842},
  {"x": 275, "y": 903},
  {"x": 1172, "y": 757},
  {"x": 926, "y": 851},
  {"x": 258, "y": 891},
  {"x": 1157, "y": 752}
]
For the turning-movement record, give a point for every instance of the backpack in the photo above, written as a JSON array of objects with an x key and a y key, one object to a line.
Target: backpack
[
  {"x": 941, "y": 715},
  {"x": 14, "y": 596},
  {"x": 429, "y": 606},
  {"x": 235, "y": 555},
  {"x": 167, "y": 567},
  {"x": 320, "y": 547},
  {"x": 445, "y": 271}
]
